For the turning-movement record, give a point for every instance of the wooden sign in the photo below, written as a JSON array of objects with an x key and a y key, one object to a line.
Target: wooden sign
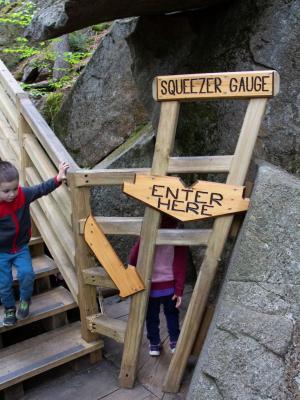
[
  {"x": 202, "y": 200},
  {"x": 216, "y": 85},
  {"x": 127, "y": 279}
]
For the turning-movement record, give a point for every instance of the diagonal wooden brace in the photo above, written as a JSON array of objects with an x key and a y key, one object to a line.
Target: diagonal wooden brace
[{"x": 127, "y": 279}]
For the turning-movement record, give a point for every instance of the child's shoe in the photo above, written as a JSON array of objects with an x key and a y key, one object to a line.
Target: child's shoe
[
  {"x": 154, "y": 349},
  {"x": 9, "y": 317},
  {"x": 23, "y": 309},
  {"x": 173, "y": 347}
]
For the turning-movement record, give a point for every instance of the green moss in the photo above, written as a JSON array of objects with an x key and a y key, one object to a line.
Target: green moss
[
  {"x": 53, "y": 104},
  {"x": 294, "y": 166},
  {"x": 134, "y": 136},
  {"x": 101, "y": 27}
]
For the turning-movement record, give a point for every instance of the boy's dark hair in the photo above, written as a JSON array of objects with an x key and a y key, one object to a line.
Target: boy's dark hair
[{"x": 8, "y": 172}]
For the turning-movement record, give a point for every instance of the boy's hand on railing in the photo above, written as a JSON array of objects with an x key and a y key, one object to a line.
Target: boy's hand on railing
[{"x": 62, "y": 169}]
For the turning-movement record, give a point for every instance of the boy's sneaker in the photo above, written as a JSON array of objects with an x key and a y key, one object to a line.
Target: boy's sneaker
[
  {"x": 9, "y": 317},
  {"x": 173, "y": 347},
  {"x": 23, "y": 309},
  {"x": 154, "y": 349}
]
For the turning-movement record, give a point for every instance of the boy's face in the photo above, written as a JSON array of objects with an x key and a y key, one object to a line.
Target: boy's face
[{"x": 9, "y": 190}]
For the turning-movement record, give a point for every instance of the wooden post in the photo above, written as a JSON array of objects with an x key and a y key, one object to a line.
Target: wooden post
[
  {"x": 163, "y": 148},
  {"x": 237, "y": 174},
  {"x": 87, "y": 295}
]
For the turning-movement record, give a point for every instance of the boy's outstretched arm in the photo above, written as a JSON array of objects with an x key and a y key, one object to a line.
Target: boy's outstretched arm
[{"x": 34, "y": 192}]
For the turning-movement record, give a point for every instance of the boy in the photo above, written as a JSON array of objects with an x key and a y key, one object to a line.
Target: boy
[
  {"x": 15, "y": 232},
  {"x": 168, "y": 277}
]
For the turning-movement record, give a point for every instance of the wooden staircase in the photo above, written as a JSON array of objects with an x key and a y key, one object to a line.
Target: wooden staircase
[
  {"x": 61, "y": 344},
  {"x": 28, "y": 142}
]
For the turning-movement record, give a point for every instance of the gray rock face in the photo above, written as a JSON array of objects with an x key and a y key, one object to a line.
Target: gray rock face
[
  {"x": 252, "y": 342},
  {"x": 114, "y": 95},
  {"x": 244, "y": 35},
  {"x": 56, "y": 17},
  {"x": 103, "y": 108}
]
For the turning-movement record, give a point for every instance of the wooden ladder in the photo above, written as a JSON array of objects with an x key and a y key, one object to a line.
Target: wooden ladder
[{"x": 236, "y": 166}]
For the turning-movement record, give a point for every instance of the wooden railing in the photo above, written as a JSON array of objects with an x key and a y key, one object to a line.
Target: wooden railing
[{"x": 27, "y": 141}]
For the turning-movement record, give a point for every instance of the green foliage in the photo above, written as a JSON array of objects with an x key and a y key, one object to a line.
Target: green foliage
[
  {"x": 53, "y": 104},
  {"x": 21, "y": 17},
  {"x": 101, "y": 27},
  {"x": 22, "y": 48},
  {"x": 76, "y": 57},
  {"x": 79, "y": 42},
  {"x": 63, "y": 82},
  {"x": 41, "y": 55}
]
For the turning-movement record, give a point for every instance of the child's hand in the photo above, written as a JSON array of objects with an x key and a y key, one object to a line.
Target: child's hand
[
  {"x": 178, "y": 300},
  {"x": 62, "y": 168}
]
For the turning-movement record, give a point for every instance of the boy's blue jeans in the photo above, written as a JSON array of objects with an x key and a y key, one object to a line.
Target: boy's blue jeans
[
  {"x": 152, "y": 318},
  {"x": 22, "y": 261}
]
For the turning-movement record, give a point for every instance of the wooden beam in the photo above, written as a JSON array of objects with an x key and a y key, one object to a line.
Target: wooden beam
[
  {"x": 111, "y": 327},
  {"x": 204, "y": 164},
  {"x": 240, "y": 164},
  {"x": 132, "y": 226},
  {"x": 117, "y": 225},
  {"x": 177, "y": 165},
  {"x": 164, "y": 145},
  {"x": 183, "y": 237},
  {"x": 87, "y": 298},
  {"x": 127, "y": 279},
  {"x": 98, "y": 277}
]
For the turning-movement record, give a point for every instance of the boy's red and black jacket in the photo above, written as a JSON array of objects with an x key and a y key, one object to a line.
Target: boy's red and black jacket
[{"x": 15, "y": 224}]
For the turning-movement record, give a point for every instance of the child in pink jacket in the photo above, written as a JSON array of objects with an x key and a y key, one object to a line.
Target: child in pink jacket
[{"x": 168, "y": 277}]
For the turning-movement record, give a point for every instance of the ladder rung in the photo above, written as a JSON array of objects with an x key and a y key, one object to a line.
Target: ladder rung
[
  {"x": 206, "y": 164},
  {"x": 107, "y": 326},
  {"x": 98, "y": 277},
  {"x": 183, "y": 237}
]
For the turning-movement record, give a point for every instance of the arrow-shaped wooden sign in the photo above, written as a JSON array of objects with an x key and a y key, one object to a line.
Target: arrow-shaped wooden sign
[
  {"x": 127, "y": 279},
  {"x": 201, "y": 200}
]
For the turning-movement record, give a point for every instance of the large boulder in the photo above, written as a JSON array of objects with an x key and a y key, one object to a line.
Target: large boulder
[
  {"x": 232, "y": 37},
  {"x": 252, "y": 348},
  {"x": 114, "y": 94},
  {"x": 55, "y": 18},
  {"x": 103, "y": 108}
]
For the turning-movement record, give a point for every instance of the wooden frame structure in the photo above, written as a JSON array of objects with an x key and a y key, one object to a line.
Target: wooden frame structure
[{"x": 28, "y": 142}]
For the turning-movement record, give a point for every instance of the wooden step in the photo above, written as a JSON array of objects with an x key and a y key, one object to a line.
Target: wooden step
[
  {"x": 98, "y": 277},
  {"x": 36, "y": 240},
  {"x": 42, "y": 353},
  {"x": 42, "y": 266},
  {"x": 45, "y": 305},
  {"x": 107, "y": 326}
]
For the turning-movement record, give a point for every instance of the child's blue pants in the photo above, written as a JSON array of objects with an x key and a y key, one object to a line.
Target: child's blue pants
[
  {"x": 22, "y": 261},
  {"x": 152, "y": 318}
]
